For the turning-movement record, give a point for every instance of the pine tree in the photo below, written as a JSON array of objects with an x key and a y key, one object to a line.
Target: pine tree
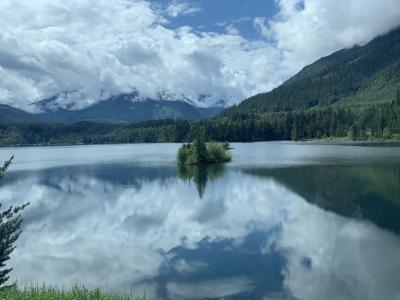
[
  {"x": 398, "y": 97},
  {"x": 200, "y": 148},
  {"x": 10, "y": 230}
]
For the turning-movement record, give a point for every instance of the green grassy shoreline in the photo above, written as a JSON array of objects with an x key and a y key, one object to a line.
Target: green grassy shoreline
[{"x": 51, "y": 293}]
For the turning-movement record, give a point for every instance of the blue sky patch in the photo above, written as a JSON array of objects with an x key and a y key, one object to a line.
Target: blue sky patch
[{"x": 224, "y": 16}]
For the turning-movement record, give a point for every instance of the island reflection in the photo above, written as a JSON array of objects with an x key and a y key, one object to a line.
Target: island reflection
[{"x": 201, "y": 174}]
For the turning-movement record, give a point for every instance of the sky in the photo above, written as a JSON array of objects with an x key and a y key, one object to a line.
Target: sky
[
  {"x": 225, "y": 16},
  {"x": 209, "y": 52}
]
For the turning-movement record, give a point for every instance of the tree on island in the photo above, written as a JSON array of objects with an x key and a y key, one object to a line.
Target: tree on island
[
  {"x": 201, "y": 153},
  {"x": 200, "y": 150},
  {"x": 10, "y": 230}
]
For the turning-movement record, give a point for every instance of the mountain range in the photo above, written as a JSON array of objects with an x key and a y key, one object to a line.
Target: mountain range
[
  {"x": 123, "y": 108},
  {"x": 356, "y": 79}
]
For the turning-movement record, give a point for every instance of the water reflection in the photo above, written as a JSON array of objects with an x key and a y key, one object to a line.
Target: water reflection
[
  {"x": 85, "y": 225},
  {"x": 367, "y": 191},
  {"x": 217, "y": 268},
  {"x": 200, "y": 174},
  {"x": 252, "y": 235}
]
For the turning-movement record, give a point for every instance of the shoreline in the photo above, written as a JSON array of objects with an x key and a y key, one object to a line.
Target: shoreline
[{"x": 337, "y": 141}]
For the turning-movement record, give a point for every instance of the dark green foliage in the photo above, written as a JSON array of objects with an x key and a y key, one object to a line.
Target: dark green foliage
[
  {"x": 200, "y": 153},
  {"x": 10, "y": 230},
  {"x": 327, "y": 122},
  {"x": 183, "y": 153},
  {"x": 5, "y": 166},
  {"x": 397, "y": 101}
]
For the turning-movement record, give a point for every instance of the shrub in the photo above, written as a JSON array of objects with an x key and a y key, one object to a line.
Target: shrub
[
  {"x": 217, "y": 153},
  {"x": 183, "y": 153}
]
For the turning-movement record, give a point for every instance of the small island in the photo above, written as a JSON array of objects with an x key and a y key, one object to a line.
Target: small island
[{"x": 202, "y": 153}]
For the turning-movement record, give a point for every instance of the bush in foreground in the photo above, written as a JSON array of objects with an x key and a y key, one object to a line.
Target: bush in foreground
[{"x": 49, "y": 293}]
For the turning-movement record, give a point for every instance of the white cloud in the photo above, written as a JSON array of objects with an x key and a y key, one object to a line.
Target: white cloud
[
  {"x": 179, "y": 8},
  {"x": 305, "y": 30},
  {"x": 260, "y": 24},
  {"x": 231, "y": 29},
  {"x": 105, "y": 47},
  {"x": 101, "y": 48}
]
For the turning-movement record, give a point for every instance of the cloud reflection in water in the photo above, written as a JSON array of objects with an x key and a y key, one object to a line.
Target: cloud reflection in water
[{"x": 143, "y": 228}]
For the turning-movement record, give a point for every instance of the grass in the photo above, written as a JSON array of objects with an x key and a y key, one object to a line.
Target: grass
[{"x": 50, "y": 293}]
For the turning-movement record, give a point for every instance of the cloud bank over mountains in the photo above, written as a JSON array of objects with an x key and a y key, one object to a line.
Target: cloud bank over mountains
[{"x": 99, "y": 48}]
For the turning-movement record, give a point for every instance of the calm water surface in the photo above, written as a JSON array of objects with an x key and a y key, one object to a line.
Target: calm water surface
[{"x": 281, "y": 221}]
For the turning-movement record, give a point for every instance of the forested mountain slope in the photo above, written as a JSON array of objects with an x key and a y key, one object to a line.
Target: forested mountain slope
[
  {"x": 9, "y": 114},
  {"x": 351, "y": 77}
]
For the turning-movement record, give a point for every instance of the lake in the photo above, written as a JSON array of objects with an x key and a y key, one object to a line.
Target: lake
[{"x": 283, "y": 220}]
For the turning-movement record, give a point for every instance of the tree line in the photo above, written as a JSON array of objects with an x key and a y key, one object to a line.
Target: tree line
[{"x": 380, "y": 121}]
